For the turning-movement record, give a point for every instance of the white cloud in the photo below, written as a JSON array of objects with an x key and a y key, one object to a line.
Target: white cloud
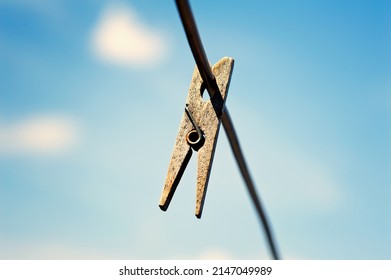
[
  {"x": 121, "y": 38},
  {"x": 215, "y": 254},
  {"x": 212, "y": 253},
  {"x": 38, "y": 135}
]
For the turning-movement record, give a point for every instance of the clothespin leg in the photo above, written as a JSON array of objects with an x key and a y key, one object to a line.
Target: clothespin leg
[
  {"x": 180, "y": 158},
  {"x": 210, "y": 124},
  {"x": 204, "y": 167}
]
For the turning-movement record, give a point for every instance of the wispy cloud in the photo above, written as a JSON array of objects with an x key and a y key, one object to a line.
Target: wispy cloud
[
  {"x": 301, "y": 183},
  {"x": 39, "y": 134},
  {"x": 120, "y": 37},
  {"x": 288, "y": 176},
  {"x": 49, "y": 250}
]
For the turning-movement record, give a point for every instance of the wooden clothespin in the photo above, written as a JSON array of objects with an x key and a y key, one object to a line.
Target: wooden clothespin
[{"x": 198, "y": 131}]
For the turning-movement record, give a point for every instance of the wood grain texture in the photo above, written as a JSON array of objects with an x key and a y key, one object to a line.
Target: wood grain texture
[{"x": 207, "y": 115}]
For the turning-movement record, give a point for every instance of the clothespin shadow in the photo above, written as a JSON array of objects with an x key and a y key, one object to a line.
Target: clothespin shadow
[{"x": 198, "y": 131}]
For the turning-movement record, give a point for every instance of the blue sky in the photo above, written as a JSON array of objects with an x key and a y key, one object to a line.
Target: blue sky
[{"x": 91, "y": 95}]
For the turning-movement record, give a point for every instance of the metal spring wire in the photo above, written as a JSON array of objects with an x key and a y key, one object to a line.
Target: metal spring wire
[{"x": 201, "y": 60}]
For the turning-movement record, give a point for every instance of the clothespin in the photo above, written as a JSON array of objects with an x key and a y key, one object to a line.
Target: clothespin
[{"x": 198, "y": 131}]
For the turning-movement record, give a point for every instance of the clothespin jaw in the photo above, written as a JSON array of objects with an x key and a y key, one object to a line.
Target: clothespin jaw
[{"x": 198, "y": 131}]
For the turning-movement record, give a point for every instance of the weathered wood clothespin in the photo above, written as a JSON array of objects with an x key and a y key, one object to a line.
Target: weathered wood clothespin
[{"x": 198, "y": 131}]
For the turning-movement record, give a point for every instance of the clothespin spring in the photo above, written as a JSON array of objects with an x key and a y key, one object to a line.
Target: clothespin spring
[{"x": 195, "y": 138}]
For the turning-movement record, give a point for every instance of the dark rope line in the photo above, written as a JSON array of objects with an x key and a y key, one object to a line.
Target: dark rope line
[{"x": 202, "y": 62}]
